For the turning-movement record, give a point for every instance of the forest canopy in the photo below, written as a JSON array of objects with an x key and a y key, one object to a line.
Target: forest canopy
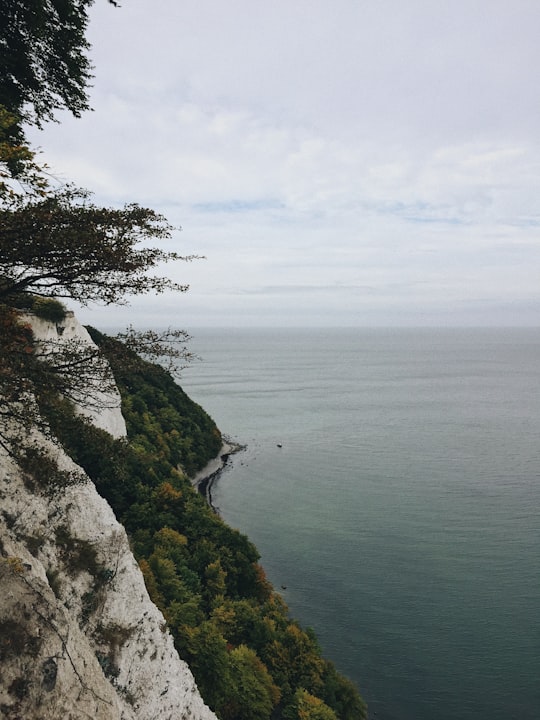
[{"x": 251, "y": 661}]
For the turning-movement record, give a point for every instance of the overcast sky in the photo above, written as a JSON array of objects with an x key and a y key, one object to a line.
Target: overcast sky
[{"x": 338, "y": 162}]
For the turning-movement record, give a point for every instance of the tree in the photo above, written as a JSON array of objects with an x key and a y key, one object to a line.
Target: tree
[
  {"x": 167, "y": 347},
  {"x": 43, "y": 55},
  {"x": 341, "y": 695},
  {"x": 206, "y": 653},
  {"x": 45, "y": 68},
  {"x": 57, "y": 243},
  {"x": 17, "y": 348},
  {"x": 65, "y": 246},
  {"x": 252, "y": 694},
  {"x": 17, "y": 160},
  {"x": 54, "y": 242},
  {"x": 308, "y": 707},
  {"x": 216, "y": 588}
]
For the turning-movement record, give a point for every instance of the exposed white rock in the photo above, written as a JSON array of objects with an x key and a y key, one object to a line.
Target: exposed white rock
[
  {"x": 103, "y": 406},
  {"x": 79, "y": 635}
]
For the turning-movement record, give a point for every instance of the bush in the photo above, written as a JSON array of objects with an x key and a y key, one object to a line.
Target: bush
[
  {"x": 44, "y": 307},
  {"x": 49, "y": 309}
]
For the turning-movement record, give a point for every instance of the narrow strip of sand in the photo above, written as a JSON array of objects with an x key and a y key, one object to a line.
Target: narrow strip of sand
[{"x": 205, "y": 478}]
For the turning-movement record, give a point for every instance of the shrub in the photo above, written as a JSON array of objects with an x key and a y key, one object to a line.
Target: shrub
[
  {"x": 39, "y": 467},
  {"x": 44, "y": 307},
  {"x": 49, "y": 309}
]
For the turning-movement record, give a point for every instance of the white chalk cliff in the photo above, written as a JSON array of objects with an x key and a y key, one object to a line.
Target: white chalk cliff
[
  {"x": 79, "y": 636},
  {"x": 108, "y": 417}
]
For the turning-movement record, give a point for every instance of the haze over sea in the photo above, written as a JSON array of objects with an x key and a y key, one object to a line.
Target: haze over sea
[{"x": 401, "y": 514}]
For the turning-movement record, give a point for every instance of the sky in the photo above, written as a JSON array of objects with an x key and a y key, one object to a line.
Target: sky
[{"x": 337, "y": 162}]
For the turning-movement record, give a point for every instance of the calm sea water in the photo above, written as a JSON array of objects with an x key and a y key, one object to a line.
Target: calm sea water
[{"x": 402, "y": 512}]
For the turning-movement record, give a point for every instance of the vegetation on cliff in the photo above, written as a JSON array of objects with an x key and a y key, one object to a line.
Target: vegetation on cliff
[{"x": 250, "y": 659}]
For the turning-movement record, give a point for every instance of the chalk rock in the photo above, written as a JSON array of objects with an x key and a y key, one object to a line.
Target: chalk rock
[
  {"x": 102, "y": 406},
  {"x": 79, "y": 635}
]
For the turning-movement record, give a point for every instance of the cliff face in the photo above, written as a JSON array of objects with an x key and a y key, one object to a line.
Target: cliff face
[
  {"x": 79, "y": 636},
  {"x": 108, "y": 415}
]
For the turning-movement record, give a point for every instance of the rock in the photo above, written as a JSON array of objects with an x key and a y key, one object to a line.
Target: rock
[{"x": 79, "y": 635}]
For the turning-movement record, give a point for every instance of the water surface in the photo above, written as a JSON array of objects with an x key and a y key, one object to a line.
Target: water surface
[{"x": 401, "y": 512}]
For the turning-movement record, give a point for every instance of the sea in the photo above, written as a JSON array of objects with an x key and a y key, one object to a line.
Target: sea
[{"x": 391, "y": 483}]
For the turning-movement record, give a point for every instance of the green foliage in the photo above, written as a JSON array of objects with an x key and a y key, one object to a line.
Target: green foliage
[
  {"x": 43, "y": 471},
  {"x": 308, "y": 707},
  {"x": 17, "y": 160},
  {"x": 49, "y": 309},
  {"x": 250, "y": 660},
  {"x": 63, "y": 245},
  {"x": 206, "y": 651},
  {"x": 252, "y": 694},
  {"x": 43, "y": 55},
  {"x": 162, "y": 420},
  {"x": 341, "y": 694},
  {"x": 45, "y": 68}
]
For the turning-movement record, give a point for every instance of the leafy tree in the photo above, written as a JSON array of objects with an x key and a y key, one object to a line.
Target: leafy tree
[
  {"x": 55, "y": 242},
  {"x": 243, "y": 623},
  {"x": 303, "y": 666},
  {"x": 308, "y": 707},
  {"x": 341, "y": 695},
  {"x": 208, "y": 658},
  {"x": 214, "y": 576},
  {"x": 151, "y": 583},
  {"x": 43, "y": 55},
  {"x": 17, "y": 160},
  {"x": 34, "y": 373},
  {"x": 252, "y": 694},
  {"x": 59, "y": 244},
  {"x": 65, "y": 246},
  {"x": 30, "y": 373}
]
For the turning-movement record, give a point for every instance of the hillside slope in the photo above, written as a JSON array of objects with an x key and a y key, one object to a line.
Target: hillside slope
[{"x": 79, "y": 635}]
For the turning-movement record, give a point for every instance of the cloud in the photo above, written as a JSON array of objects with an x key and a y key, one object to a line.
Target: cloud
[{"x": 372, "y": 155}]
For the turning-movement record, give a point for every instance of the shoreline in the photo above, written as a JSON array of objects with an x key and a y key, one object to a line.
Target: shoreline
[{"x": 204, "y": 480}]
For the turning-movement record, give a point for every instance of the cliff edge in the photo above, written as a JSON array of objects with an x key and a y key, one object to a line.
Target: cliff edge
[{"x": 79, "y": 635}]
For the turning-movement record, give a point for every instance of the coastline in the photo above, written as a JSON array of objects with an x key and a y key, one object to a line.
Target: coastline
[{"x": 207, "y": 476}]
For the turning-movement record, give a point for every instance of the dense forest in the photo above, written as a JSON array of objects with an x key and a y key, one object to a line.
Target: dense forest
[{"x": 250, "y": 659}]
